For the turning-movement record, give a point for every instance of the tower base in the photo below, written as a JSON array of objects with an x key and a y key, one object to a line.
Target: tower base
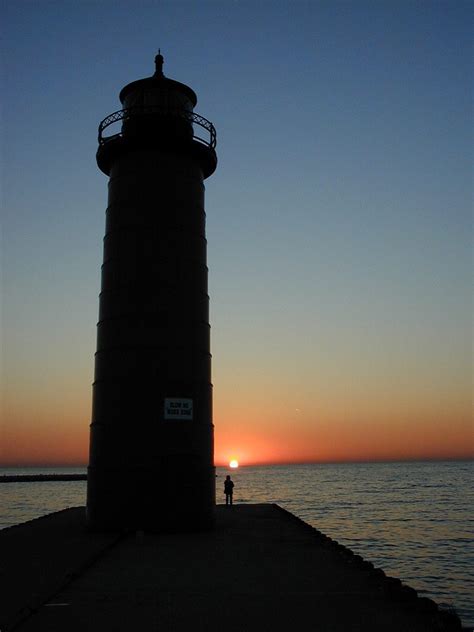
[{"x": 158, "y": 500}]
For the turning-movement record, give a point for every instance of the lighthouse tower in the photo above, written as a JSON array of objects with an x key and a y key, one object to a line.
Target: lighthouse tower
[{"x": 151, "y": 444}]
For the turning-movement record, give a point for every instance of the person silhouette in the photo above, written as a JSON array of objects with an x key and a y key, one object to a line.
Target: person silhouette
[{"x": 228, "y": 490}]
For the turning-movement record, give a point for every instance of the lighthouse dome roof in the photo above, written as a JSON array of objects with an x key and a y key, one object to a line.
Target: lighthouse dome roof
[{"x": 158, "y": 81}]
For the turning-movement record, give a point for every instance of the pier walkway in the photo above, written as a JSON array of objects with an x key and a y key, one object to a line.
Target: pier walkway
[{"x": 261, "y": 570}]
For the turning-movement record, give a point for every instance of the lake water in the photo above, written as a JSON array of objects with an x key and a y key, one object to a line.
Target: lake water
[{"x": 414, "y": 520}]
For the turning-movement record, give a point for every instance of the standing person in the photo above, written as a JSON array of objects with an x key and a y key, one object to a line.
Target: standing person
[{"x": 228, "y": 490}]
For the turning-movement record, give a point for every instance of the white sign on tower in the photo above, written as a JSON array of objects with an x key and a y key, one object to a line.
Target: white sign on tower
[{"x": 178, "y": 409}]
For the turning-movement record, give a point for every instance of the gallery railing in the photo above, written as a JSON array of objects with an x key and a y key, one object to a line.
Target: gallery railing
[{"x": 135, "y": 112}]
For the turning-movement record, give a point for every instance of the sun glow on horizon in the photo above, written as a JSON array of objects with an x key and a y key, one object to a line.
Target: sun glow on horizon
[{"x": 234, "y": 464}]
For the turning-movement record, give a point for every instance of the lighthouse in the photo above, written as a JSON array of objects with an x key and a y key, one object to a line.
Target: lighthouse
[{"x": 151, "y": 464}]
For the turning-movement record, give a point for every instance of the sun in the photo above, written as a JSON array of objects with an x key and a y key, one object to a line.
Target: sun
[{"x": 233, "y": 464}]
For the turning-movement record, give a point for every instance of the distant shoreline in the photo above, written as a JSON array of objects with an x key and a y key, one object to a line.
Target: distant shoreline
[
  {"x": 41, "y": 478},
  {"x": 65, "y": 477}
]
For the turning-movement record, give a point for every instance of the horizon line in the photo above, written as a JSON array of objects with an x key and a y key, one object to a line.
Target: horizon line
[{"x": 421, "y": 459}]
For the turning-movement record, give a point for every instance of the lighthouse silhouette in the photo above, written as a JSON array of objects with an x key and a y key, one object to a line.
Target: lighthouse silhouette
[{"x": 151, "y": 463}]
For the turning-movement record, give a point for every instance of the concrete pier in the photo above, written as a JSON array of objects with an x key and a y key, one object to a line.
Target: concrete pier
[{"x": 260, "y": 569}]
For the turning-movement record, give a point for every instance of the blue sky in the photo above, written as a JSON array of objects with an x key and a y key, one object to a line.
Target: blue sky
[{"x": 339, "y": 219}]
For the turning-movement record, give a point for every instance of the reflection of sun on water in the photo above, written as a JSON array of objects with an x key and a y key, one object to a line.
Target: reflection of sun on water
[{"x": 234, "y": 463}]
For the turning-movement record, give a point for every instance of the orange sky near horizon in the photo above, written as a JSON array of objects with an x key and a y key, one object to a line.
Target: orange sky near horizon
[
  {"x": 66, "y": 444},
  {"x": 292, "y": 404},
  {"x": 45, "y": 431}
]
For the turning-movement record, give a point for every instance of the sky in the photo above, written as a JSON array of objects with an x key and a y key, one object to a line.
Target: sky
[{"x": 339, "y": 220}]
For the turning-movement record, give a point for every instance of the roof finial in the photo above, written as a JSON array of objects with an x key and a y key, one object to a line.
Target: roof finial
[{"x": 159, "y": 64}]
